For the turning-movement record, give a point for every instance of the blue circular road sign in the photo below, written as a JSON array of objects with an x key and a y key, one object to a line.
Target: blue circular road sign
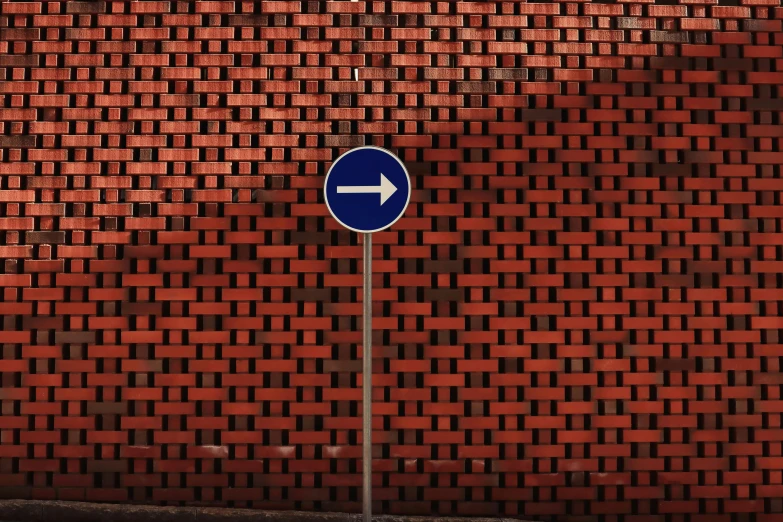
[{"x": 367, "y": 189}]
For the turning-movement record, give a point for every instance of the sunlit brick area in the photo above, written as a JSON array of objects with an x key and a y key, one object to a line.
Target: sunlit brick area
[{"x": 578, "y": 316}]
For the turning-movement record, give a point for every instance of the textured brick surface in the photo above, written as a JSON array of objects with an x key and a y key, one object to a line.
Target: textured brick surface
[{"x": 579, "y": 316}]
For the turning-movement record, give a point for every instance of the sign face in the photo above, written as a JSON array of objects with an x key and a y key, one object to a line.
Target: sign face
[{"x": 367, "y": 189}]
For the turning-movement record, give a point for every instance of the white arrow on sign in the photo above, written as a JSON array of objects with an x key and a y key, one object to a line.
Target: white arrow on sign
[{"x": 386, "y": 189}]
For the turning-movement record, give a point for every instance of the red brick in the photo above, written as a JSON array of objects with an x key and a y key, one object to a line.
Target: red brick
[{"x": 563, "y": 162}]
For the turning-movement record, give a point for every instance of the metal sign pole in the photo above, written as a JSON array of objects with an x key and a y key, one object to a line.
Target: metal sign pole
[
  {"x": 367, "y": 381},
  {"x": 358, "y": 204}
]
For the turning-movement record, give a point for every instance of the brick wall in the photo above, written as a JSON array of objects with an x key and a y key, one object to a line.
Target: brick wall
[{"x": 578, "y": 315}]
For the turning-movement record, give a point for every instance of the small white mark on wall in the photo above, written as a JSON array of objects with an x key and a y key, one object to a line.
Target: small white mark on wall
[
  {"x": 217, "y": 451},
  {"x": 285, "y": 451},
  {"x": 355, "y": 74},
  {"x": 333, "y": 452}
]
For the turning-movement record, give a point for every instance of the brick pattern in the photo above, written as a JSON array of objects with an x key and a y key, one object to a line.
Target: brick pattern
[{"x": 579, "y": 316}]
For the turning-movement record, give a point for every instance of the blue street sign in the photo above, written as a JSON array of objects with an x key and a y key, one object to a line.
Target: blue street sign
[{"x": 367, "y": 189}]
